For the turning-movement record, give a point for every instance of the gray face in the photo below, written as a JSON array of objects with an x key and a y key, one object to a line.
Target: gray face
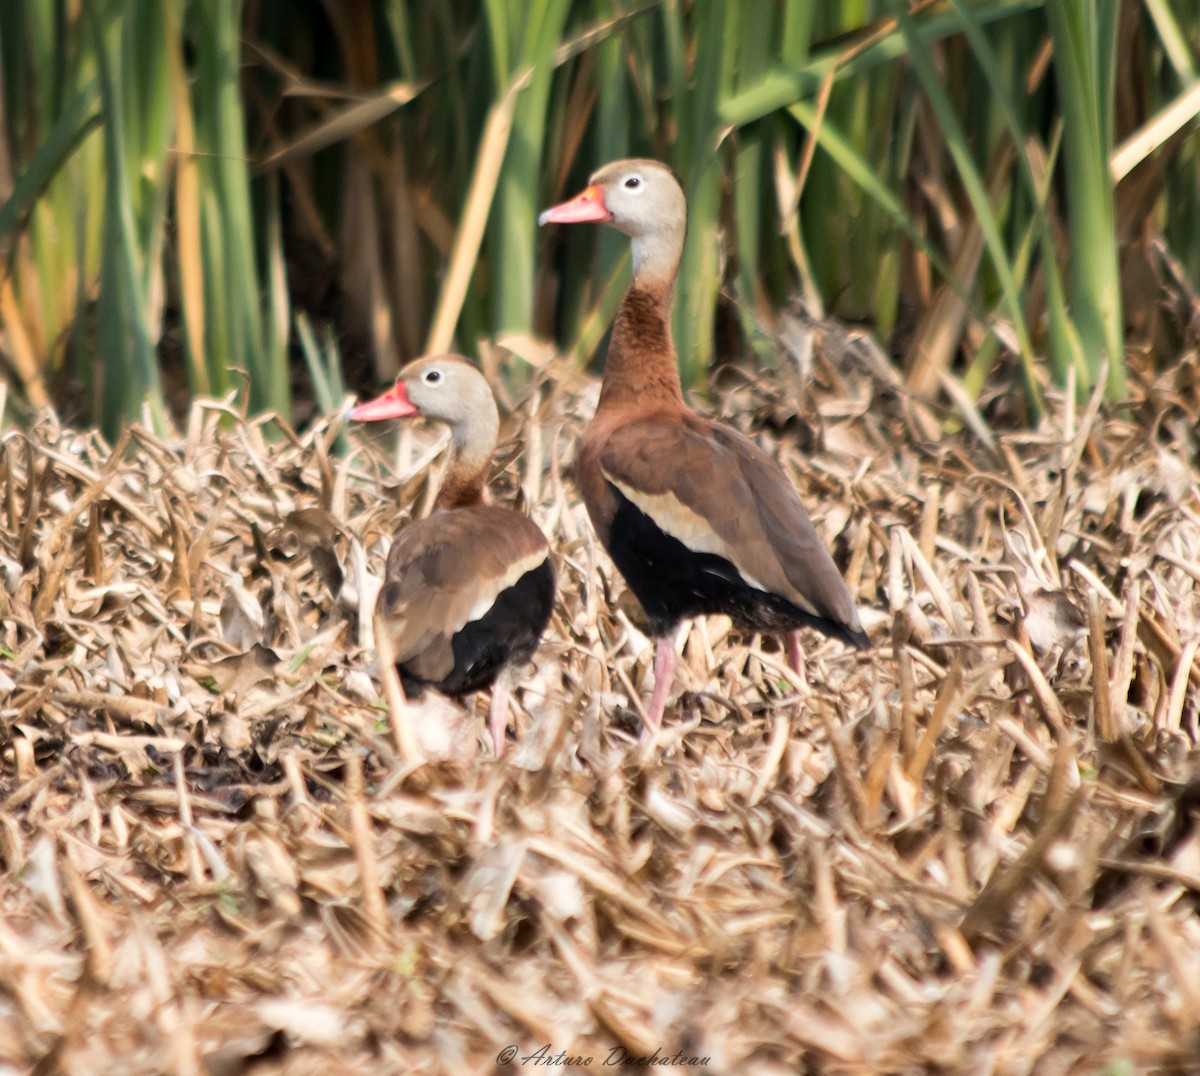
[
  {"x": 643, "y": 197},
  {"x": 449, "y": 389}
]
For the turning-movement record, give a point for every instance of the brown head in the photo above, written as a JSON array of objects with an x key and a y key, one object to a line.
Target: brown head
[
  {"x": 641, "y": 198},
  {"x": 446, "y": 388}
]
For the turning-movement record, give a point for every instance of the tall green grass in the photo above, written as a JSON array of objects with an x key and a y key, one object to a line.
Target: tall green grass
[
  {"x": 180, "y": 179},
  {"x": 1085, "y": 64},
  {"x": 130, "y": 220}
]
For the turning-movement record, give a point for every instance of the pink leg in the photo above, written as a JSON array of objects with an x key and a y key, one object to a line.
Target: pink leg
[
  {"x": 795, "y": 653},
  {"x": 664, "y": 672},
  {"x": 498, "y": 714}
]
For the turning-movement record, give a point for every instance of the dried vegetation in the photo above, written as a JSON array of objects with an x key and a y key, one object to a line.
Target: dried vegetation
[{"x": 973, "y": 849}]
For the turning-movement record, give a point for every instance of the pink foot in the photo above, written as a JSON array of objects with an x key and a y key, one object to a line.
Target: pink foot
[
  {"x": 498, "y": 714},
  {"x": 795, "y": 654},
  {"x": 664, "y": 672}
]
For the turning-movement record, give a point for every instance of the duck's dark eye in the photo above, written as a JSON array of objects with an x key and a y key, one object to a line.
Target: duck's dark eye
[
  {"x": 433, "y": 377},
  {"x": 633, "y": 182}
]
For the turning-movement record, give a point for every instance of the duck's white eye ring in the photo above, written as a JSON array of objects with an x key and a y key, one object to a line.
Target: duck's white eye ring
[
  {"x": 432, "y": 377},
  {"x": 633, "y": 182}
]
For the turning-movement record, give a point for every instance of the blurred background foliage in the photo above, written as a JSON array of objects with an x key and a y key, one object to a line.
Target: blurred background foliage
[{"x": 272, "y": 199}]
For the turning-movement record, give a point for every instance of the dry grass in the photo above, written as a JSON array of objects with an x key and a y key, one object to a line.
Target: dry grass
[{"x": 973, "y": 850}]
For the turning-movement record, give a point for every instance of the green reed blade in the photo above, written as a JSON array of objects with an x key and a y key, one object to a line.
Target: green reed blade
[{"x": 1084, "y": 38}]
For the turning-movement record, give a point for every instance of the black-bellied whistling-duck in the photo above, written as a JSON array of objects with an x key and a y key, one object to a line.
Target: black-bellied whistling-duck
[
  {"x": 468, "y": 590},
  {"x": 697, "y": 518}
]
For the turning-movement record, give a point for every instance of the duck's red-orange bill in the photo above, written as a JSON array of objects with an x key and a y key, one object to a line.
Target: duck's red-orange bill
[
  {"x": 392, "y": 404},
  {"x": 585, "y": 206}
]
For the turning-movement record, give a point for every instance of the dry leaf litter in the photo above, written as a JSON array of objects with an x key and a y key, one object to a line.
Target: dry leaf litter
[{"x": 972, "y": 849}]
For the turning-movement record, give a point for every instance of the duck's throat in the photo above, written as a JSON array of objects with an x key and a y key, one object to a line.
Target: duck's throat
[
  {"x": 471, "y": 447},
  {"x": 461, "y": 490},
  {"x": 641, "y": 364},
  {"x": 466, "y": 477}
]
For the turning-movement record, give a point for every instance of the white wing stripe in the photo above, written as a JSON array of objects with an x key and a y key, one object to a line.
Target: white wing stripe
[
  {"x": 679, "y": 521},
  {"x": 487, "y": 594},
  {"x": 497, "y": 586}
]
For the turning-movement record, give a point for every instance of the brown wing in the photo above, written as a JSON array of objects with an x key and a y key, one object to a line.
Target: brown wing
[
  {"x": 446, "y": 571},
  {"x": 718, "y": 492}
]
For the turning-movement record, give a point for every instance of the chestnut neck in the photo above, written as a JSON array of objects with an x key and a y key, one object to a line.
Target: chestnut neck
[
  {"x": 641, "y": 370},
  {"x": 460, "y": 490},
  {"x": 471, "y": 448}
]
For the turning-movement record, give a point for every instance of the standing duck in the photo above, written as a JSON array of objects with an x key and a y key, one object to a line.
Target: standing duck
[
  {"x": 696, "y": 517},
  {"x": 467, "y": 591}
]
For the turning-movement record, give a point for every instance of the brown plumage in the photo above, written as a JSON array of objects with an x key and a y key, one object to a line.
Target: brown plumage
[
  {"x": 467, "y": 591},
  {"x": 697, "y": 518}
]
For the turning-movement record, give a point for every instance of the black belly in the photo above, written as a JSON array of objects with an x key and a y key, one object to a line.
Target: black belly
[
  {"x": 507, "y": 634},
  {"x": 673, "y": 582}
]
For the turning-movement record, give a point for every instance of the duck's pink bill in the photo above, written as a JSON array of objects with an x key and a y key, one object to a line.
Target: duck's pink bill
[
  {"x": 392, "y": 404},
  {"x": 585, "y": 206}
]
